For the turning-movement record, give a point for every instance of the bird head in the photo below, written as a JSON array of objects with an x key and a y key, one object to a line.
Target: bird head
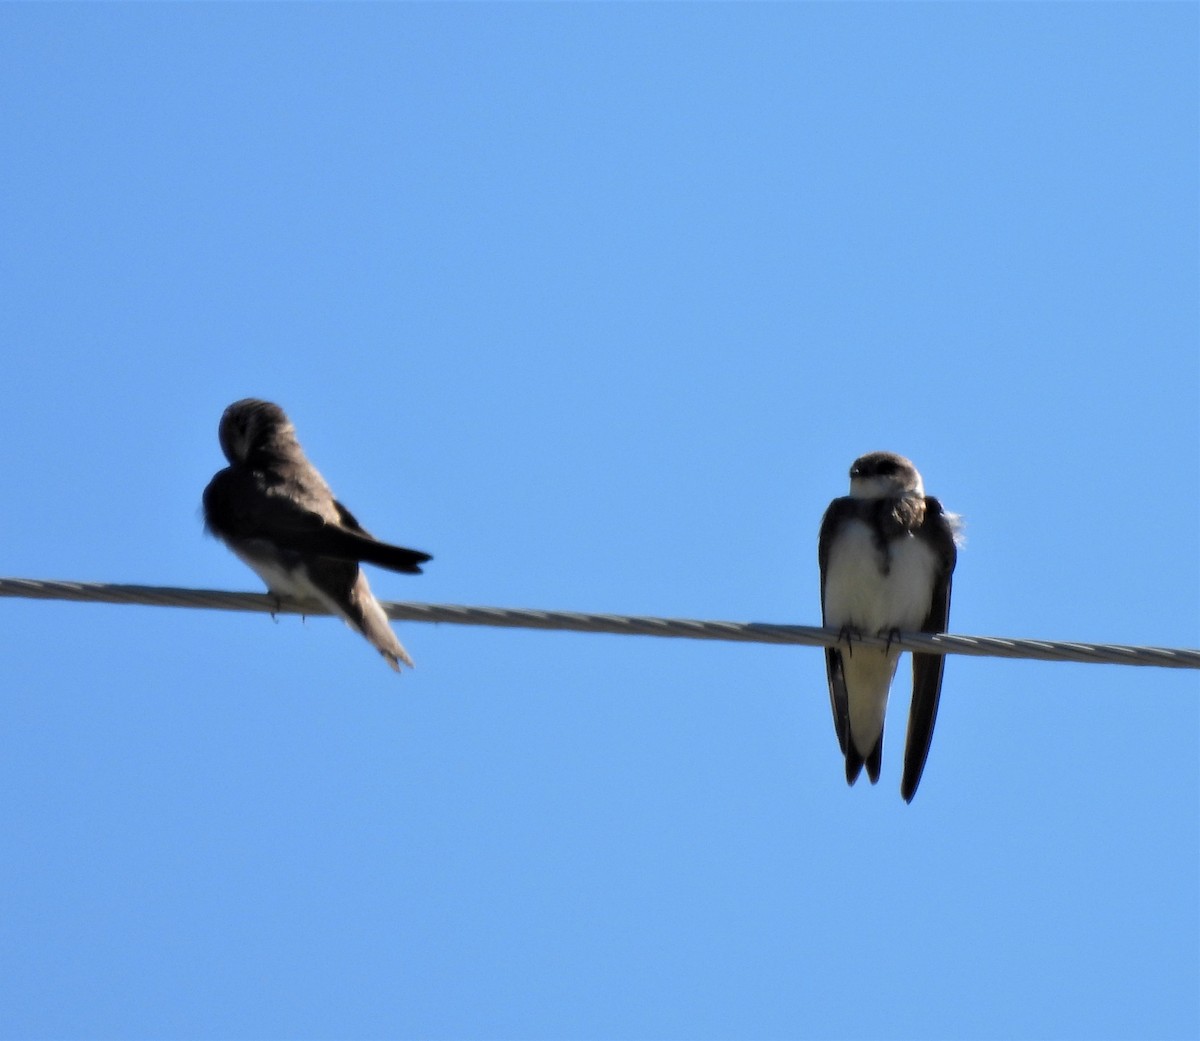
[
  {"x": 250, "y": 426},
  {"x": 884, "y": 475}
]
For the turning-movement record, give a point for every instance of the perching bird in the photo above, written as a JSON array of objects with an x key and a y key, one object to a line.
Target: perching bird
[
  {"x": 887, "y": 552},
  {"x": 275, "y": 511}
]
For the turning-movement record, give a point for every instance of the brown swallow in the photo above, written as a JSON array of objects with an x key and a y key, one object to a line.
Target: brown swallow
[{"x": 275, "y": 511}]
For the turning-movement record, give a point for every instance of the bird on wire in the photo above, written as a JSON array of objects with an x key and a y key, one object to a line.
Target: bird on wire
[
  {"x": 887, "y": 551},
  {"x": 273, "y": 509}
]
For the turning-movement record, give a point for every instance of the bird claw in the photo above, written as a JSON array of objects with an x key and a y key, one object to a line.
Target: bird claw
[{"x": 846, "y": 635}]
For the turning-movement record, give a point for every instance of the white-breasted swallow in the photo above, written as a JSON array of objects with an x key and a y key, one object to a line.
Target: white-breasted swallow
[{"x": 887, "y": 552}]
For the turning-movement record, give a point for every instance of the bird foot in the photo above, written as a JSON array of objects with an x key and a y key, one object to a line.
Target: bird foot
[{"x": 846, "y": 635}]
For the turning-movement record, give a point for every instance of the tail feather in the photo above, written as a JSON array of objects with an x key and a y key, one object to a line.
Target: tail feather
[
  {"x": 875, "y": 760},
  {"x": 854, "y": 763},
  {"x": 363, "y": 613},
  {"x": 374, "y": 625}
]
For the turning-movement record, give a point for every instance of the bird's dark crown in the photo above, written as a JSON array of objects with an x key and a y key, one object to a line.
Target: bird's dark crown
[
  {"x": 881, "y": 475},
  {"x": 881, "y": 464},
  {"x": 252, "y": 425}
]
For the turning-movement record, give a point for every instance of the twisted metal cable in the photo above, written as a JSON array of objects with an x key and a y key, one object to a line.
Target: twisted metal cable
[{"x": 625, "y": 625}]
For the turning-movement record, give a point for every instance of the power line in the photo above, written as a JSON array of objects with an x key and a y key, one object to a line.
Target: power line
[{"x": 625, "y": 625}]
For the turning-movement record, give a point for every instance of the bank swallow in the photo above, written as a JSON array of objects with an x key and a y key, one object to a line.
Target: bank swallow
[
  {"x": 275, "y": 511},
  {"x": 887, "y": 551}
]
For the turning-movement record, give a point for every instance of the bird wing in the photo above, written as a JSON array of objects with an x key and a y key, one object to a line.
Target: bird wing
[
  {"x": 239, "y": 504},
  {"x": 839, "y": 700},
  {"x": 927, "y": 668}
]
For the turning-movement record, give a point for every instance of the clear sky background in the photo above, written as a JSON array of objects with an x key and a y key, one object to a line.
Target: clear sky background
[{"x": 597, "y": 304}]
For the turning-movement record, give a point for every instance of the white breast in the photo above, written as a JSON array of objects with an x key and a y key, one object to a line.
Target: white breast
[
  {"x": 858, "y": 593},
  {"x": 279, "y": 579}
]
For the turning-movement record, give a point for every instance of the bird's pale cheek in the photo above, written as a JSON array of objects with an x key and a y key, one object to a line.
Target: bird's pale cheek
[{"x": 871, "y": 488}]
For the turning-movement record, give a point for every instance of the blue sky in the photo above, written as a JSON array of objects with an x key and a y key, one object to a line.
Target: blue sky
[{"x": 597, "y": 304}]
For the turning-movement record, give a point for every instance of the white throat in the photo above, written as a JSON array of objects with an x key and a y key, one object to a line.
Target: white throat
[{"x": 882, "y": 488}]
